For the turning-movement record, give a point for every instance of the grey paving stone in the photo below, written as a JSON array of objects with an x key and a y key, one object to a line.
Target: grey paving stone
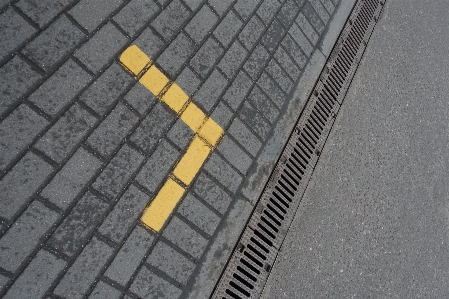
[
  {"x": 72, "y": 233},
  {"x": 272, "y": 90},
  {"x": 223, "y": 172},
  {"x": 101, "y": 48},
  {"x": 220, "y": 6},
  {"x": 279, "y": 75},
  {"x": 320, "y": 10},
  {"x": 288, "y": 13},
  {"x": 148, "y": 286},
  {"x": 201, "y": 24},
  {"x": 263, "y": 104},
  {"x": 135, "y": 15},
  {"x": 55, "y": 42},
  {"x": 14, "y": 32},
  {"x": 128, "y": 208},
  {"x": 295, "y": 51},
  {"x": 176, "y": 55},
  {"x": 60, "y": 89},
  {"x": 16, "y": 131},
  {"x": 156, "y": 169},
  {"x": 313, "y": 18},
  {"x": 267, "y": 10},
  {"x": 208, "y": 94},
  {"x": 222, "y": 115},
  {"x": 170, "y": 19},
  {"x": 180, "y": 134},
  {"x": 213, "y": 194},
  {"x": 245, "y": 137},
  {"x": 199, "y": 214},
  {"x": 171, "y": 262},
  {"x": 108, "y": 87},
  {"x": 66, "y": 133},
  {"x": 153, "y": 127},
  {"x": 21, "y": 239},
  {"x": 3, "y": 279},
  {"x": 188, "y": 81},
  {"x": 130, "y": 255},
  {"x": 20, "y": 183},
  {"x": 235, "y": 155},
  {"x": 37, "y": 277},
  {"x": 42, "y": 11},
  {"x": 206, "y": 57},
  {"x": 251, "y": 32},
  {"x": 149, "y": 42},
  {"x": 300, "y": 3},
  {"x": 116, "y": 174},
  {"x": 163, "y": 3},
  {"x": 330, "y": 7},
  {"x": 236, "y": 93},
  {"x": 16, "y": 77},
  {"x": 84, "y": 270},
  {"x": 193, "y": 4},
  {"x": 308, "y": 30},
  {"x": 232, "y": 60},
  {"x": 69, "y": 181},
  {"x": 103, "y": 290},
  {"x": 90, "y": 13},
  {"x": 301, "y": 39},
  {"x": 256, "y": 62},
  {"x": 113, "y": 129},
  {"x": 140, "y": 98},
  {"x": 245, "y": 8},
  {"x": 284, "y": 60},
  {"x": 273, "y": 36},
  {"x": 254, "y": 120},
  {"x": 228, "y": 28}
]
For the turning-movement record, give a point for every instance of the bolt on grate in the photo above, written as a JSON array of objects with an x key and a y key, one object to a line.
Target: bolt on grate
[{"x": 249, "y": 266}]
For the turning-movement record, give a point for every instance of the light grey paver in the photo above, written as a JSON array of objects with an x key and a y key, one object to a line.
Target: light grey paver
[
  {"x": 201, "y": 24},
  {"x": 228, "y": 28},
  {"x": 170, "y": 19},
  {"x": 148, "y": 286},
  {"x": 175, "y": 56},
  {"x": 235, "y": 155},
  {"x": 223, "y": 172},
  {"x": 42, "y": 11},
  {"x": 135, "y": 15},
  {"x": 200, "y": 215},
  {"x": 208, "y": 94},
  {"x": 213, "y": 194},
  {"x": 206, "y": 57},
  {"x": 245, "y": 137},
  {"x": 90, "y": 13},
  {"x": 103, "y": 290},
  {"x": 236, "y": 93}
]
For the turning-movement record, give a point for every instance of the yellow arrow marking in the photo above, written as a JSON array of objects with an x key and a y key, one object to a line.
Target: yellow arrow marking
[{"x": 206, "y": 138}]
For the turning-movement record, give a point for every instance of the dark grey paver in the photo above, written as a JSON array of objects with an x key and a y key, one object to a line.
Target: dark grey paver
[
  {"x": 236, "y": 93},
  {"x": 57, "y": 41},
  {"x": 135, "y": 15},
  {"x": 200, "y": 215},
  {"x": 235, "y": 155},
  {"x": 251, "y": 32},
  {"x": 69, "y": 181},
  {"x": 222, "y": 115},
  {"x": 208, "y": 94},
  {"x": 72, "y": 233},
  {"x": 220, "y": 6},
  {"x": 116, "y": 174},
  {"x": 201, "y": 24},
  {"x": 301, "y": 39},
  {"x": 287, "y": 63},
  {"x": 16, "y": 77},
  {"x": 273, "y": 36},
  {"x": 130, "y": 255},
  {"x": 308, "y": 30},
  {"x": 170, "y": 19},
  {"x": 101, "y": 48},
  {"x": 313, "y": 18},
  {"x": 213, "y": 194},
  {"x": 20, "y": 183},
  {"x": 37, "y": 277},
  {"x": 153, "y": 127},
  {"x": 245, "y": 8},
  {"x": 129, "y": 207},
  {"x": 193, "y": 4},
  {"x": 149, "y": 42},
  {"x": 16, "y": 131},
  {"x": 90, "y": 13},
  {"x": 14, "y": 32},
  {"x": 171, "y": 262},
  {"x": 245, "y": 137},
  {"x": 330, "y": 7},
  {"x": 42, "y": 11},
  {"x": 206, "y": 57},
  {"x": 188, "y": 81},
  {"x": 180, "y": 134},
  {"x": 288, "y": 12},
  {"x": 82, "y": 273},
  {"x": 60, "y": 89},
  {"x": 148, "y": 286},
  {"x": 263, "y": 104},
  {"x": 108, "y": 135},
  {"x": 254, "y": 120},
  {"x": 21, "y": 239},
  {"x": 108, "y": 87},
  {"x": 267, "y": 10},
  {"x": 66, "y": 133},
  {"x": 158, "y": 165},
  {"x": 320, "y": 10},
  {"x": 228, "y": 29},
  {"x": 140, "y": 98},
  {"x": 295, "y": 51},
  {"x": 272, "y": 90},
  {"x": 223, "y": 172},
  {"x": 256, "y": 62},
  {"x": 279, "y": 75},
  {"x": 175, "y": 56},
  {"x": 233, "y": 59},
  {"x": 103, "y": 290}
]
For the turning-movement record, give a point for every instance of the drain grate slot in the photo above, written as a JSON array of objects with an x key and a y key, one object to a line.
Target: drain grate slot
[{"x": 250, "y": 263}]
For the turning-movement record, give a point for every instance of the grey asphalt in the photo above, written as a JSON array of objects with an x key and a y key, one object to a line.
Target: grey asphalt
[{"x": 374, "y": 221}]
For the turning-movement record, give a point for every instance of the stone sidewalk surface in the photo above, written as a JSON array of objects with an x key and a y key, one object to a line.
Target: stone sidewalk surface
[{"x": 84, "y": 147}]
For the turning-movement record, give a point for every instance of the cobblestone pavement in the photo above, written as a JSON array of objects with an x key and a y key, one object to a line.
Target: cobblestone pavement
[{"x": 84, "y": 147}]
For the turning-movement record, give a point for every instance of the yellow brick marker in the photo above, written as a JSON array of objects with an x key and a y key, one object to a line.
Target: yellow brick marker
[{"x": 206, "y": 138}]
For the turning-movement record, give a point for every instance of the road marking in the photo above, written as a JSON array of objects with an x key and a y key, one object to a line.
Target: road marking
[{"x": 207, "y": 135}]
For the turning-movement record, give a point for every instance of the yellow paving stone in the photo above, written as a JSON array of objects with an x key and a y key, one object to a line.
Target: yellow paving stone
[
  {"x": 175, "y": 98},
  {"x": 193, "y": 117},
  {"x": 154, "y": 80},
  {"x": 211, "y": 131},
  {"x": 134, "y": 59}
]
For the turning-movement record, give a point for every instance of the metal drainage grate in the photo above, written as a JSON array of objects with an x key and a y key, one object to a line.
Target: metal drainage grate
[{"x": 247, "y": 270}]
